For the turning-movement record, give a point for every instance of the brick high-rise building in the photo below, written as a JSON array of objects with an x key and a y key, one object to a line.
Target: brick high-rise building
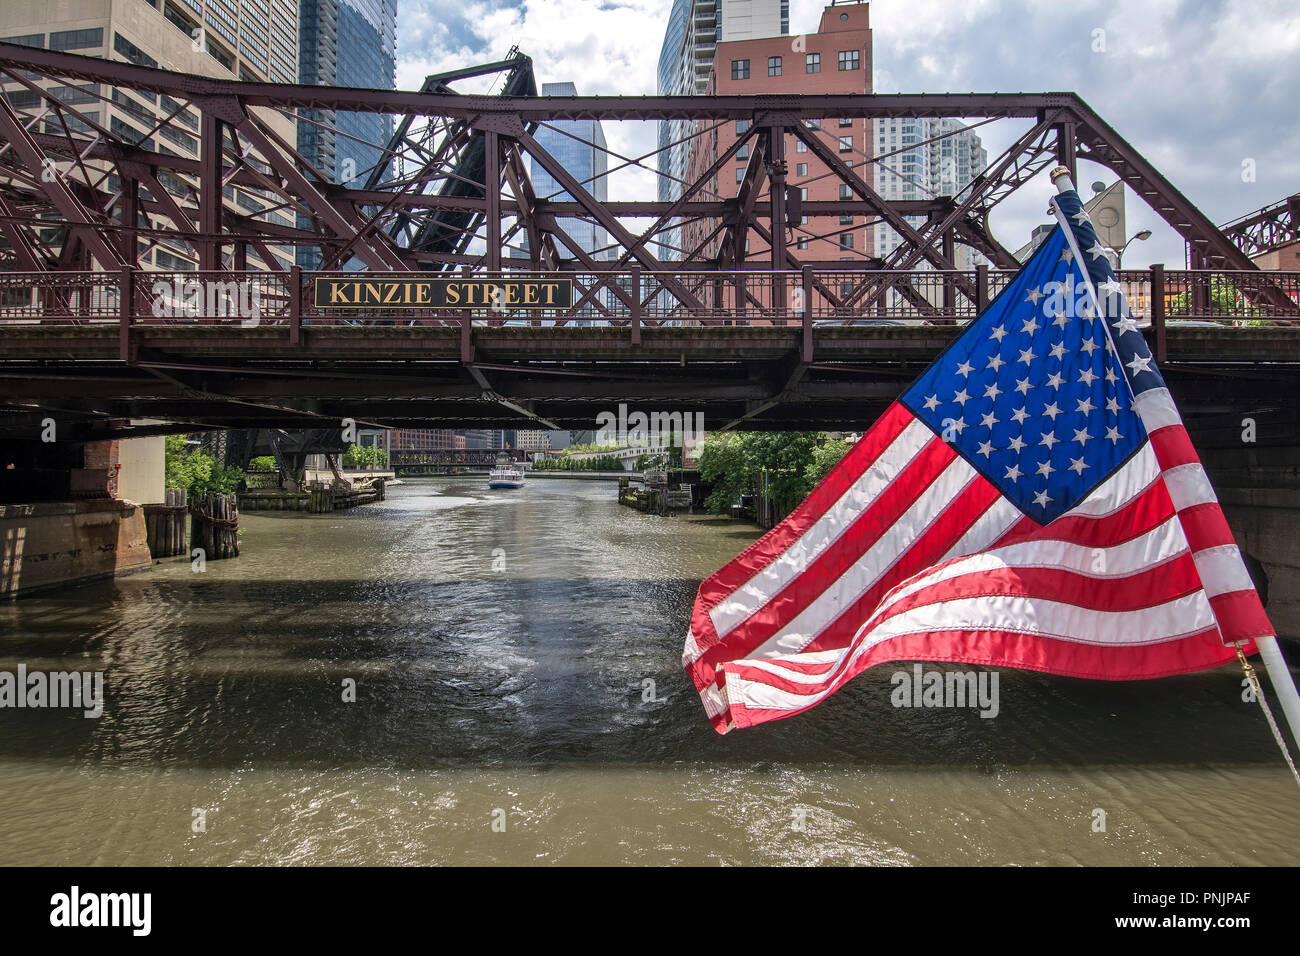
[
  {"x": 836, "y": 59},
  {"x": 695, "y": 27}
]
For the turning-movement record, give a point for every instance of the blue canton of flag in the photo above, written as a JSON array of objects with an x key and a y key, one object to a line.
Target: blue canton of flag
[{"x": 1032, "y": 393}]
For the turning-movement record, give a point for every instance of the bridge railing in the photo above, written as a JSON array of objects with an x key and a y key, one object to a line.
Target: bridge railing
[{"x": 637, "y": 298}]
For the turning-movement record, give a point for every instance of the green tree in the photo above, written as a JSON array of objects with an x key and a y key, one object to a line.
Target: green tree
[
  {"x": 196, "y": 471},
  {"x": 735, "y": 463},
  {"x": 824, "y": 458},
  {"x": 369, "y": 456}
]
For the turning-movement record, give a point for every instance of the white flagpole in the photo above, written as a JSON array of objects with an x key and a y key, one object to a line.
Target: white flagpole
[{"x": 1269, "y": 652}]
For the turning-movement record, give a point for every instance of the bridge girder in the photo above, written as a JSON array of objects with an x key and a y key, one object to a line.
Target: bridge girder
[{"x": 184, "y": 202}]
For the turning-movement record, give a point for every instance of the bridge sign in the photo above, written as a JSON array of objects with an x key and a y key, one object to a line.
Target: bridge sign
[{"x": 406, "y": 290}]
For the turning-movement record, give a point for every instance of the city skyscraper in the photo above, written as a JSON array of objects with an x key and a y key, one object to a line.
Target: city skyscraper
[
  {"x": 345, "y": 43},
  {"x": 916, "y": 164},
  {"x": 695, "y": 28},
  {"x": 579, "y": 146}
]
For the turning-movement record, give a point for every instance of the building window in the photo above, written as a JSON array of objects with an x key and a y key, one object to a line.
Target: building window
[
  {"x": 846, "y": 240},
  {"x": 31, "y": 39},
  {"x": 742, "y": 126},
  {"x": 801, "y": 242},
  {"x": 740, "y": 174},
  {"x": 846, "y": 192},
  {"x": 845, "y": 121},
  {"x": 813, "y": 123},
  {"x": 740, "y": 69},
  {"x": 23, "y": 99},
  {"x": 773, "y": 66},
  {"x": 801, "y": 147},
  {"x": 79, "y": 40},
  {"x": 742, "y": 153},
  {"x": 848, "y": 59},
  {"x": 801, "y": 169},
  {"x": 846, "y": 220},
  {"x": 846, "y": 144},
  {"x": 812, "y": 63},
  {"x": 803, "y": 194}
]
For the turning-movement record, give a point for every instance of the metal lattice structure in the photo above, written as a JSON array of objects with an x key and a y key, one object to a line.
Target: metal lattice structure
[{"x": 1267, "y": 229}]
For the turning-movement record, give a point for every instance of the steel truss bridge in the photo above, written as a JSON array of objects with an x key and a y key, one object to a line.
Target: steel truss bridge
[{"x": 97, "y": 335}]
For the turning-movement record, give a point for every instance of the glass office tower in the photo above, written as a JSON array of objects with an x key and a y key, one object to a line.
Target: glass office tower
[{"x": 345, "y": 43}]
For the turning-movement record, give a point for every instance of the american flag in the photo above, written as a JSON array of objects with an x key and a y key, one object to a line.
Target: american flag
[{"x": 1031, "y": 501}]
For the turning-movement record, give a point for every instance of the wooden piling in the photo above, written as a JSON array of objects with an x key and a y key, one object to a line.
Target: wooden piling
[
  {"x": 165, "y": 524},
  {"x": 214, "y": 526}
]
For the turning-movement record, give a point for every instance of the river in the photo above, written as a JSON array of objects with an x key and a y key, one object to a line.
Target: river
[{"x": 500, "y": 644}]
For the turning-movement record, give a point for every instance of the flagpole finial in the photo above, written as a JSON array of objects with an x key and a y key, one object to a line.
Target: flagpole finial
[{"x": 1061, "y": 179}]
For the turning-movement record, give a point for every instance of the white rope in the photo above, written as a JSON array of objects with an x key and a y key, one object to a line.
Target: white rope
[{"x": 1268, "y": 714}]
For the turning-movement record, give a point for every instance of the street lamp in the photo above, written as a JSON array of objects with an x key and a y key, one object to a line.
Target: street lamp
[{"x": 1119, "y": 253}]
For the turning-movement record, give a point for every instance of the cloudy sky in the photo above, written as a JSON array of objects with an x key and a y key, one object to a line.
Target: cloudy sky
[{"x": 1207, "y": 90}]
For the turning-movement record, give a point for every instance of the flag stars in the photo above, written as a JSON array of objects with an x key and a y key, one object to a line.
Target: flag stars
[
  {"x": 1045, "y": 468},
  {"x": 1020, "y": 415},
  {"x": 1058, "y": 350},
  {"x": 1081, "y": 217},
  {"x": 965, "y": 368},
  {"x": 1111, "y": 377},
  {"x": 961, "y": 398},
  {"x": 1027, "y": 356},
  {"x": 1049, "y": 439},
  {"x": 1034, "y": 295},
  {"x": 1126, "y": 323},
  {"x": 999, "y": 333},
  {"x": 989, "y": 421},
  {"x": 1013, "y": 473},
  {"x": 996, "y": 362},
  {"x": 1055, "y": 380},
  {"x": 1077, "y": 465},
  {"x": 992, "y": 391},
  {"x": 1023, "y": 386},
  {"x": 1042, "y": 498},
  {"x": 1113, "y": 435},
  {"x": 1140, "y": 364},
  {"x": 931, "y": 403},
  {"x": 1097, "y": 250},
  {"x": 1031, "y": 325},
  {"x": 1088, "y": 376},
  {"x": 1112, "y": 405},
  {"x": 1089, "y": 346},
  {"x": 986, "y": 448},
  {"x": 1081, "y": 436},
  {"x": 1085, "y": 406},
  {"x": 1016, "y": 444},
  {"x": 1051, "y": 411},
  {"x": 1067, "y": 255}
]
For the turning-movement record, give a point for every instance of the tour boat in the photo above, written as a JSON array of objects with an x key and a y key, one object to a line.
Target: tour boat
[{"x": 506, "y": 474}]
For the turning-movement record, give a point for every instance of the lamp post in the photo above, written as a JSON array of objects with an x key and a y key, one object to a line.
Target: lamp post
[{"x": 1119, "y": 253}]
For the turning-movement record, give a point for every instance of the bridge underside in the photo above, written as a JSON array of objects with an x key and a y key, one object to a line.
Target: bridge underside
[{"x": 743, "y": 377}]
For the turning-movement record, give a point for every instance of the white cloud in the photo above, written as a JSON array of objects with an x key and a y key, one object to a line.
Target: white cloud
[{"x": 1195, "y": 85}]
